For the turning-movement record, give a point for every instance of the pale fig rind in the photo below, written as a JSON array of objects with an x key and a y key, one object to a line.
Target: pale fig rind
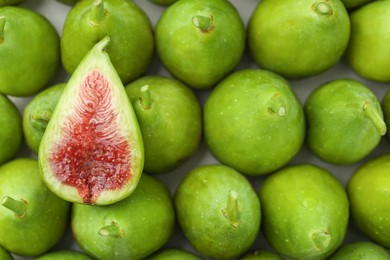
[{"x": 92, "y": 150}]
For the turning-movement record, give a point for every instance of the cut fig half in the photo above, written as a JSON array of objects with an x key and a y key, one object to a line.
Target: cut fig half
[{"x": 92, "y": 150}]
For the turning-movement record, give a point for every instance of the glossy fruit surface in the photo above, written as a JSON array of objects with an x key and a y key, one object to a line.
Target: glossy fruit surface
[
  {"x": 261, "y": 255},
  {"x": 369, "y": 199},
  {"x": 345, "y": 121},
  {"x": 92, "y": 150},
  {"x": 132, "y": 39},
  {"x": 10, "y": 2},
  {"x": 305, "y": 212},
  {"x": 25, "y": 202},
  {"x": 29, "y": 50},
  {"x": 11, "y": 135},
  {"x": 218, "y": 211},
  {"x": 298, "y": 39},
  {"x": 37, "y": 114},
  {"x": 5, "y": 255},
  {"x": 170, "y": 118},
  {"x": 64, "y": 255},
  {"x": 133, "y": 228},
  {"x": 200, "y": 41},
  {"x": 253, "y": 121},
  {"x": 367, "y": 51},
  {"x": 174, "y": 254}
]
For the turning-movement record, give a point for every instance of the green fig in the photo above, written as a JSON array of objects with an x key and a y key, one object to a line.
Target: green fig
[
  {"x": 174, "y": 254},
  {"x": 170, "y": 119},
  {"x": 163, "y": 2},
  {"x": 218, "y": 211},
  {"x": 132, "y": 39},
  {"x": 64, "y": 255},
  {"x": 200, "y": 41},
  {"x": 92, "y": 149},
  {"x": 368, "y": 192},
  {"x": 132, "y": 228},
  {"x": 305, "y": 212},
  {"x": 32, "y": 218},
  {"x": 353, "y": 4},
  {"x": 4, "y": 254},
  {"x": 367, "y": 52},
  {"x": 298, "y": 38},
  {"x": 11, "y": 134},
  {"x": 362, "y": 250},
  {"x": 345, "y": 121},
  {"x": 261, "y": 255},
  {"x": 37, "y": 113},
  {"x": 254, "y": 122},
  {"x": 29, "y": 51}
]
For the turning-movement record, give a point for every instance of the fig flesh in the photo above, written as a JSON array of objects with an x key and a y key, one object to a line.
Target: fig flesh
[{"x": 92, "y": 150}]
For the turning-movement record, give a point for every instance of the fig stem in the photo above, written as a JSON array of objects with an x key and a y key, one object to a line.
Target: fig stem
[
  {"x": 375, "y": 117},
  {"x": 111, "y": 230},
  {"x": 322, "y": 8},
  {"x": 145, "y": 97},
  {"x": 203, "y": 22},
  {"x": 19, "y": 207},
  {"x": 40, "y": 120},
  {"x": 97, "y": 12},
  {"x": 231, "y": 212},
  {"x": 2, "y": 28},
  {"x": 277, "y": 105}
]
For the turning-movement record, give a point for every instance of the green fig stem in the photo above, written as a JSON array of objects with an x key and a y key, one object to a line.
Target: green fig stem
[
  {"x": 111, "y": 230},
  {"x": 97, "y": 12},
  {"x": 231, "y": 212},
  {"x": 2, "y": 28},
  {"x": 40, "y": 120},
  {"x": 277, "y": 105},
  {"x": 375, "y": 117},
  {"x": 19, "y": 207},
  {"x": 322, "y": 8},
  {"x": 203, "y": 22},
  {"x": 145, "y": 97}
]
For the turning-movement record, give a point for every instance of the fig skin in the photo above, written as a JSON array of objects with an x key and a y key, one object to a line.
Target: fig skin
[
  {"x": 37, "y": 114},
  {"x": 92, "y": 151},
  {"x": 170, "y": 118},
  {"x": 30, "y": 52},
  {"x": 261, "y": 255},
  {"x": 64, "y": 255},
  {"x": 305, "y": 212},
  {"x": 363, "y": 250},
  {"x": 174, "y": 254},
  {"x": 298, "y": 38},
  {"x": 218, "y": 211},
  {"x": 11, "y": 134},
  {"x": 368, "y": 192},
  {"x": 5, "y": 255},
  {"x": 45, "y": 218},
  {"x": 10, "y": 2},
  {"x": 345, "y": 121},
  {"x": 199, "y": 55},
  {"x": 132, "y": 39},
  {"x": 143, "y": 223},
  {"x": 254, "y": 122}
]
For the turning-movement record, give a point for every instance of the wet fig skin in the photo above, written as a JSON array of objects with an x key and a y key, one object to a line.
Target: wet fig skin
[
  {"x": 30, "y": 51},
  {"x": 170, "y": 119},
  {"x": 200, "y": 41},
  {"x": 20, "y": 180},
  {"x": 253, "y": 121},
  {"x": 174, "y": 254},
  {"x": 37, "y": 114},
  {"x": 305, "y": 212},
  {"x": 145, "y": 221},
  {"x": 370, "y": 200},
  {"x": 367, "y": 52},
  {"x": 11, "y": 134},
  {"x": 218, "y": 211},
  {"x": 345, "y": 121},
  {"x": 132, "y": 40},
  {"x": 298, "y": 38},
  {"x": 64, "y": 255}
]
